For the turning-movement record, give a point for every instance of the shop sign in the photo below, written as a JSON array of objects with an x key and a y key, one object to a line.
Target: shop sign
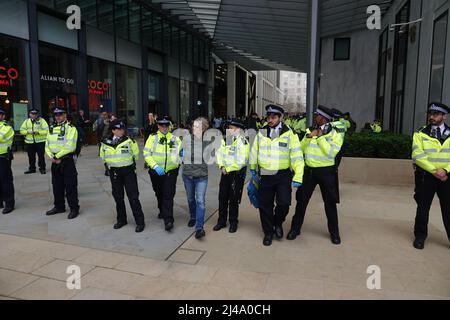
[
  {"x": 98, "y": 87},
  {"x": 8, "y": 74},
  {"x": 57, "y": 79}
]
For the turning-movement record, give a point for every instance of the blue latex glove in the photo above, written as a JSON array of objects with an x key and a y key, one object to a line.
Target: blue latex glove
[
  {"x": 252, "y": 193},
  {"x": 254, "y": 174},
  {"x": 160, "y": 171},
  {"x": 182, "y": 153},
  {"x": 296, "y": 184}
]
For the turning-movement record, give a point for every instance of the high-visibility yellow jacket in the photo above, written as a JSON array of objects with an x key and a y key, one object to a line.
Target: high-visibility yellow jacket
[
  {"x": 281, "y": 153},
  {"x": 428, "y": 152},
  {"x": 40, "y": 128},
  {"x": 233, "y": 156},
  {"x": 163, "y": 150},
  {"x": 376, "y": 128},
  {"x": 61, "y": 140},
  {"x": 124, "y": 153},
  {"x": 321, "y": 151},
  {"x": 6, "y": 138}
]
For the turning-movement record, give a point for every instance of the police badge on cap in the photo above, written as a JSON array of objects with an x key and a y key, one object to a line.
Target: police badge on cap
[
  {"x": 438, "y": 107},
  {"x": 163, "y": 121},
  {"x": 274, "y": 109},
  {"x": 59, "y": 110},
  {"x": 117, "y": 124},
  {"x": 324, "y": 112}
]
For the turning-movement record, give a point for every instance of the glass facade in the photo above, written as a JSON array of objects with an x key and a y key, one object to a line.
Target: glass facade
[
  {"x": 117, "y": 34},
  {"x": 13, "y": 73},
  {"x": 438, "y": 58},
  {"x": 128, "y": 104},
  {"x": 100, "y": 86},
  {"x": 57, "y": 79}
]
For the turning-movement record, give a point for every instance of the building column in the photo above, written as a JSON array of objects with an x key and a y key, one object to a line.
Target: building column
[
  {"x": 231, "y": 88},
  {"x": 144, "y": 83},
  {"x": 165, "y": 87},
  {"x": 313, "y": 61},
  {"x": 34, "y": 57},
  {"x": 82, "y": 78}
]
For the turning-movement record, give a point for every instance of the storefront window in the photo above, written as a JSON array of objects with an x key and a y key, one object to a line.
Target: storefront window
[
  {"x": 58, "y": 79},
  {"x": 128, "y": 96},
  {"x": 13, "y": 82},
  {"x": 173, "y": 98},
  {"x": 100, "y": 86},
  {"x": 185, "y": 102},
  {"x": 154, "y": 92}
]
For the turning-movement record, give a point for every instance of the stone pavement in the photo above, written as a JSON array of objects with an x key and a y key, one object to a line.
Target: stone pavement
[{"x": 376, "y": 223}]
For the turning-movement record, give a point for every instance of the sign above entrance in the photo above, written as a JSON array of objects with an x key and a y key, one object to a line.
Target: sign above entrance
[
  {"x": 98, "y": 87},
  {"x": 7, "y": 74},
  {"x": 57, "y": 79}
]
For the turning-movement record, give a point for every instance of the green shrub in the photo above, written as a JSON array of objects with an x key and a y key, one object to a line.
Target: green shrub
[{"x": 382, "y": 145}]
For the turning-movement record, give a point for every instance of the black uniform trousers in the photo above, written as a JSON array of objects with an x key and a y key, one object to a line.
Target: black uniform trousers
[
  {"x": 125, "y": 178},
  {"x": 278, "y": 188},
  {"x": 326, "y": 179},
  {"x": 426, "y": 187},
  {"x": 32, "y": 149},
  {"x": 65, "y": 183},
  {"x": 6, "y": 182},
  {"x": 165, "y": 188},
  {"x": 230, "y": 194}
]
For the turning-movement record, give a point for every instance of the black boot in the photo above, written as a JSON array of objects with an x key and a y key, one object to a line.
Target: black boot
[
  {"x": 30, "y": 171},
  {"x": 9, "y": 207},
  {"x": 233, "y": 228},
  {"x": 42, "y": 171},
  {"x": 119, "y": 225},
  {"x": 140, "y": 228},
  {"x": 219, "y": 226},
  {"x": 267, "y": 240},
  {"x": 55, "y": 211},
  {"x": 73, "y": 213}
]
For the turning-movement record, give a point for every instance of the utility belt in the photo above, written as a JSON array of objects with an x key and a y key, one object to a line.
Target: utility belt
[
  {"x": 321, "y": 169},
  {"x": 131, "y": 167},
  {"x": 421, "y": 172},
  {"x": 265, "y": 172},
  {"x": 8, "y": 155}
]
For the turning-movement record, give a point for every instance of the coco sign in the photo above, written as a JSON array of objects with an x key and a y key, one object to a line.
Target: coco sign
[
  {"x": 97, "y": 87},
  {"x": 8, "y": 74}
]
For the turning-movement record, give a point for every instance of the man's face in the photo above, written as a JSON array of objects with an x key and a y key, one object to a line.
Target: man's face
[
  {"x": 33, "y": 115},
  {"x": 436, "y": 118},
  {"x": 197, "y": 128},
  {"x": 60, "y": 117},
  {"x": 163, "y": 128},
  {"x": 151, "y": 117},
  {"x": 2, "y": 117},
  {"x": 81, "y": 112},
  {"x": 320, "y": 120},
  {"x": 119, "y": 132},
  {"x": 273, "y": 119},
  {"x": 233, "y": 130}
]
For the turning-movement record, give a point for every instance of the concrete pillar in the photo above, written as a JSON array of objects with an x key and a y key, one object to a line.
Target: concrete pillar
[
  {"x": 313, "y": 61},
  {"x": 231, "y": 88}
]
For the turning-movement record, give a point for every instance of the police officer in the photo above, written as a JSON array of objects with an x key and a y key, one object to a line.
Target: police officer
[
  {"x": 120, "y": 153},
  {"x": 431, "y": 156},
  {"x": 162, "y": 155},
  {"x": 35, "y": 131},
  {"x": 275, "y": 152},
  {"x": 6, "y": 156},
  {"x": 60, "y": 147},
  {"x": 232, "y": 159},
  {"x": 320, "y": 148}
]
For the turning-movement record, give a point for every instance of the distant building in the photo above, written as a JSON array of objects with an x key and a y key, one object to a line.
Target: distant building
[{"x": 293, "y": 85}]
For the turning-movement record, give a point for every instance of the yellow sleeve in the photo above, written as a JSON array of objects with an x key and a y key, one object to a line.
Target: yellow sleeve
[
  {"x": 47, "y": 150},
  {"x": 419, "y": 156},
  {"x": 297, "y": 160},
  {"x": 135, "y": 150},
  {"x": 102, "y": 152},
  {"x": 23, "y": 128},
  {"x": 330, "y": 144},
  {"x": 44, "y": 126},
  {"x": 254, "y": 153},
  {"x": 147, "y": 152},
  {"x": 219, "y": 158}
]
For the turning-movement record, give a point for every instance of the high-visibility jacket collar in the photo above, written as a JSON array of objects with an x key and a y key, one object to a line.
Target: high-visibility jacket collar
[
  {"x": 445, "y": 135},
  {"x": 109, "y": 141}
]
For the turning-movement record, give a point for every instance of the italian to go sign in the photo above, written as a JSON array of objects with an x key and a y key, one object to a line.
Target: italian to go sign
[{"x": 58, "y": 79}]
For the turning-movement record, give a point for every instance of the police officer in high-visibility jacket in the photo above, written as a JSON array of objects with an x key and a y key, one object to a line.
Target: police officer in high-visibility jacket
[
  {"x": 6, "y": 156},
  {"x": 35, "y": 130},
  {"x": 162, "y": 155},
  {"x": 275, "y": 153},
  {"x": 60, "y": 147},
  {"x": 120, "y": 152},
  {"x": 320, "y": 147},
  {"x": 431, "y": 156},
  {"x": 232, "y": 158}
]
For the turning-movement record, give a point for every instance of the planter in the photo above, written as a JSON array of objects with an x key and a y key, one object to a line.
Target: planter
[{"x": 376, "y": 171}]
